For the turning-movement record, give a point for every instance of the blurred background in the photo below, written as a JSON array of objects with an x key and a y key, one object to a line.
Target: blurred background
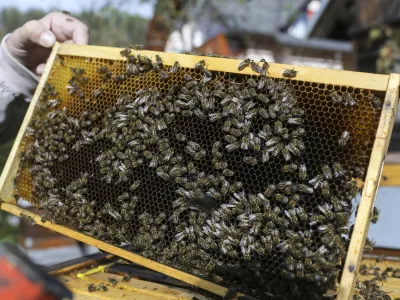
[{"x": 357, "y": 35}]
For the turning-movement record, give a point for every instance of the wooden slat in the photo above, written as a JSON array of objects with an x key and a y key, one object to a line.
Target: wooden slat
[
  {"x": 363, "y": 219},
  {"x": 391, "y": 175},
  {"x": 80, "y": 288},
  {"x": 385, "y": 263},
  {"x": 148, "y": 288},
  {"x": 11, "y": 167},
  {"x": 375, "y": 82},
  {"x": 180, "y": 275},
  {"x": 80, "y": 264}
]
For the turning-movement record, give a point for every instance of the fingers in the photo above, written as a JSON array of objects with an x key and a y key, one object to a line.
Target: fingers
[
  {"x": 66, "y": 27},
  {"x": 34, "y": 32},
  {"x": 40, "y": 69}
]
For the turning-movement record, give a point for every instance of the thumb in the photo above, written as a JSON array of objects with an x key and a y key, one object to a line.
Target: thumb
[{"x": 37, "y": 33}]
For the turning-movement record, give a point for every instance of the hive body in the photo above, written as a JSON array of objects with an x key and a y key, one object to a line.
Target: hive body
[{"x": 231, "y": 177}]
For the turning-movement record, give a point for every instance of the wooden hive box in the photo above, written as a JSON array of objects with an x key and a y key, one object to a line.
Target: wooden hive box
[{"x": 255, "y": 166}]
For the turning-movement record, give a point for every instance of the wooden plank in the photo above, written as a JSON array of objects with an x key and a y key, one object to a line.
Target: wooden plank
[
  {"x": 363, "y": 219},
  {"x": 148, "y": 288},
  {"x": 80, "y": 287},
  {"x": 391, "y": 175},
  {"x": 180, "y": 275},
  {"x": 376, "y": 82},
  {"x": 11, "y": 167},
  {"x": 382, "y": 264},
  {"x": 81, "y": 263}
]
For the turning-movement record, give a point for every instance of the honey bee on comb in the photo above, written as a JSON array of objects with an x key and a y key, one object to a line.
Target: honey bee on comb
[{"x": 289, "y": 73}]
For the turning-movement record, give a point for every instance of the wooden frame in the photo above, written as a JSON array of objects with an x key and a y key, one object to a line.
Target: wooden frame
[
  {"x": 380, "y": 83},
  {"x": 361, "y": 226}
]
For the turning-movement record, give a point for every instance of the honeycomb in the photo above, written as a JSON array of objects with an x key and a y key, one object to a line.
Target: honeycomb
[{"x": 245, "y": 180}]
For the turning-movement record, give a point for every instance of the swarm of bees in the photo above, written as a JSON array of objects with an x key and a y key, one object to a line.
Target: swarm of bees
[
  {"x": 370, "y": 289},
  {"x": 218, "y": 177}
]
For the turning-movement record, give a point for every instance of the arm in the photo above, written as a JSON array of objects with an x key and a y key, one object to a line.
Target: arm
[{"x": 22, "y": 58}]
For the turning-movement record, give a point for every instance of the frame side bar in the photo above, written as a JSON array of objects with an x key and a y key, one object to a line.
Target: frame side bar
[
  {"x": 11, "y": 167},
  {"x": 361, "y": 226},
  {"x": 376, "y": 82}
]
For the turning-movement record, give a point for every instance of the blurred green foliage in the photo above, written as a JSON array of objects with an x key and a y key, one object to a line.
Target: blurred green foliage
[{"x": 108, "y": 26}]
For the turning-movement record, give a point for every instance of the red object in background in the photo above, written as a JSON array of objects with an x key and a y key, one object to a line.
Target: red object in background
[{"x": 21, "y": 279}]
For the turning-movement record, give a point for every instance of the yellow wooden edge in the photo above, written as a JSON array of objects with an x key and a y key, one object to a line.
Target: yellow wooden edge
[
  {"x": 391, "y": 175},
  {"x": 375, "y": 82},
  {"x": 11, "y": 167},
  {"x": 80, "y": 288},
  {"x": 366, "y": 205},
  {"x": 77, "y": 266},
  {"x": 151, "y": 289},
  {"x": 153, "y": 265}
]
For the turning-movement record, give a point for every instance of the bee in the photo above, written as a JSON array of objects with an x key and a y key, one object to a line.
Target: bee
[
  {"x": 342, "y": 218},
  {"x": 125, "y": 52},
  {"x": 338, "y": 170},
  {"x": 78, "y": 71},
  {"x": 97, "y": 93},
  {"x": 295, "y": 121},
  {"x": 187, "y": 77},
  {"x": 375, "y": 101},
  {"x": 131, "y": 69},
  {"x": 66, "y": 12},
  {"x": 302, "y": 172},
  {"x": 91, "y": 288},
  {"x": 200, "y": 65},
  {"x": 375, "y": 215},
  {"x": 344, "y": 138},
  {"x": 285, "y": 153},
  {"x": 134, "y": 186},
  {"x": 289, "y": 73},
  {"x": 250, "y": 160},
  {"x": 326, "y": 210},
  {"x": 175, "y": 68},
  {"x": 263, "y": 73},
  {"x": 228, "y": 173},
  {"x": 305, "y": 189},
  {"x": 102, "y": 288},
  {"x": 245, "y": 63},
  {"x": 164, "y": 75},
  {"x": 335, "y": 97},
  {"x": 255, "y": 67},
  {"x": 326, "y": 170},
  {"x": 159, "y": 61},
  {"x": 181, "y": 137},
  {"x": 251, "y": 82},
  {"x": 127, "y": 277},
  {"x": 289, "y": 168},
  {"x": 281, "y": 198},
  {"x": 348, "y": 100}
]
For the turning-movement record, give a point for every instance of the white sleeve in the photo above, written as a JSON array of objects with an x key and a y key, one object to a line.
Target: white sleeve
[{"x": 15, "y": 80}]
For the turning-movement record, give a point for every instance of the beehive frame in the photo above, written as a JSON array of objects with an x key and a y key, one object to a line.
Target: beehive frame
[{"x": 382, "y": 83}]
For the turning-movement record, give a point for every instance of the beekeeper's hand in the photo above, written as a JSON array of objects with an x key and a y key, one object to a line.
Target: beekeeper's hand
[{"x": 31, "y": 43}]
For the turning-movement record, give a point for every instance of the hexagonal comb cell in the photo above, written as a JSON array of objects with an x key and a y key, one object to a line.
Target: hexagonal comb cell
[{"x": 239, "y": 178}]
